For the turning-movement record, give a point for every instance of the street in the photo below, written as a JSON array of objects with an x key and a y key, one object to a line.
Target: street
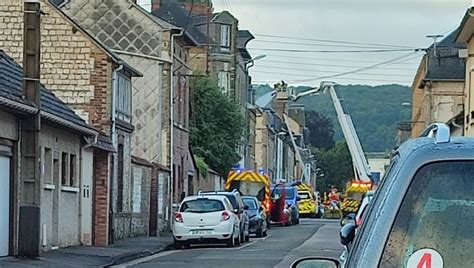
[{"x": 283, "y": 245}]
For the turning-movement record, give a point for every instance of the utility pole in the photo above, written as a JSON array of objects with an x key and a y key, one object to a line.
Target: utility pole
[
  {"x": 29, "y": 218},
  {"x": 435, "y": 43}
]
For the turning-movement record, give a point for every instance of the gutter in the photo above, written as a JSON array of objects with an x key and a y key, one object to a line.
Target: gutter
[
  {"x": 142, "y": 56},
  {"x": 171, "y": 149}
]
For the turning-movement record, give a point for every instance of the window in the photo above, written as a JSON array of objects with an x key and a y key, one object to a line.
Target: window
[
  {"x": 202, "y": 206},
  {"x": 224, "y": 82},
  {"x": 72, "y": 170},
  {"x": 225, "y": 37},
  {"x": 64, "y": 169},
  {"x": 250, "y": 203},
  {"x": 123, "y": 99},
  {"x": 435, "y": 214},
  {"x": 48, "y": 165}
]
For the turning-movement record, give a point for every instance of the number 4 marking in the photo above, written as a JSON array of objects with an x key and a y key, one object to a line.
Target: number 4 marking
[
  {"x": 425, "y": 258},
  {"x": 425, "y": 261}
]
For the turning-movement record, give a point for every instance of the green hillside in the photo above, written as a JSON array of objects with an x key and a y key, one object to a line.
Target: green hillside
[{"x": 375, "y": 111}]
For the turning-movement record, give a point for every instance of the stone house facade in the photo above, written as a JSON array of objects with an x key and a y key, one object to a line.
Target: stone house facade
[
  {"x": 64, "y": 139},
  {"x": 96, "y": 83},
  {"x": 140, "y": 39},
  {"x": 437, "y": 91}
]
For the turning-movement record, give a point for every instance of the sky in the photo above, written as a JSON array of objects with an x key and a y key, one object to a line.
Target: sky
[
  {"x": 294, "y": 24},
  {"x": 319, "y": 29}
]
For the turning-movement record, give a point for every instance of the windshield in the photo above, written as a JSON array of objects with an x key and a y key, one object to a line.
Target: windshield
[
  {"x": 250, "y": 203},
  {"x": 435, "y": 215},
  {"x": 202, "y": 206},
  {"x": 289, "y": 192}
]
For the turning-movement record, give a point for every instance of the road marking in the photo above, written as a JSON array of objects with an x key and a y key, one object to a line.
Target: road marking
[{"x": 145, "y": 259}]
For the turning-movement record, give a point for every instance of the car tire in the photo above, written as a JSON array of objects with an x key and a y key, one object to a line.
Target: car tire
[
  {"x": 231, "y": 241},
  {"x": 237, "y": 241},
  {"x": 177, "y": 244},
  {"x": 242, "y": 238},
  {"x": 259, "y": 232}
]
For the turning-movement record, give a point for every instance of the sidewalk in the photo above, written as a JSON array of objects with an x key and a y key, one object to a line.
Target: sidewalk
[{"x": 86, "y": 256}]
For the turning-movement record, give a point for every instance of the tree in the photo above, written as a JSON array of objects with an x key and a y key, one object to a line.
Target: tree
[
  {"x": 335, "y": 164},
  {"x": 216, "y": 125},
  {"x": 321, "y": 132}
]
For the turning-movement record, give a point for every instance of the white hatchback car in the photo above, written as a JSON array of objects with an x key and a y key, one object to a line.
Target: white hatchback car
[{"x": 205, "y": 219}]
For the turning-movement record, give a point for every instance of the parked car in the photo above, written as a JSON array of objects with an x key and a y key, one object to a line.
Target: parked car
[
  {"x": 292, "y": 199},
  {"x": 205, "y": 219},
  {"x": 257, "y": 216},
  {"x": 357, "y": 220},
  {"x": 420, "y": 214},
  {"x": 280, "y": 210},
  {"x": 239, "y": 209}
]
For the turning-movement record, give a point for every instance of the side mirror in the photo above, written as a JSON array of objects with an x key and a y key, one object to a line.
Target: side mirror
[
  {"x": 347, "y": 233},
  {"x": 298, "y": 198},
  {"x": 246, "y": 207},
  {"x": 236, "y": 210},
  {"x": 315, "y": 262}
]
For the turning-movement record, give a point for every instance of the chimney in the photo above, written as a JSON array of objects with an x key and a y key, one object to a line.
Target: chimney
[
  {"x": 31, "y": 51},
  {"x": 30, "y": 176},
  {"x": 200, "y": 7}
]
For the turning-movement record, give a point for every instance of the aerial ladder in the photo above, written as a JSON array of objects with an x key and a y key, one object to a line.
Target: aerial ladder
[{"x": 361, "y": 167}]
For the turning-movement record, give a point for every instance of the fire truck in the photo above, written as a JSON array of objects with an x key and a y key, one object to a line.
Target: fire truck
[
  {"x": 362, "y": 182},
  {"x": 251, "y": 182}
]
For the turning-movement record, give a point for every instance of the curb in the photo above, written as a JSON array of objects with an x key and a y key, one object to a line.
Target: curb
[{"x": 137, "y": 255}]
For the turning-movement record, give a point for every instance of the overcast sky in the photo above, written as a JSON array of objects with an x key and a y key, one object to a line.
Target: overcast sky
[{"x": 392, "y": 22}]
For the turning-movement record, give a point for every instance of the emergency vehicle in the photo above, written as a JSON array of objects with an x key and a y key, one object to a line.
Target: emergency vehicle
[
  {"x": 307, "y": 205},
  {"x": 251, "y": 182},
  {"x": 354, "y": 195}
]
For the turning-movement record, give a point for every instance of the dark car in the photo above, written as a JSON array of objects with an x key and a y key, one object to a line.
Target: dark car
[
  {"x": 236, "y": 200},
  {"x": 421, "y": 213},
  {"x": 257, "y": 216}
]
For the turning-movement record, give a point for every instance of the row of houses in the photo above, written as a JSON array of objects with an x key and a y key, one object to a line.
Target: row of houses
[
  {"x": 94, "y": 127},
  {"x": 442, "y": 89}
]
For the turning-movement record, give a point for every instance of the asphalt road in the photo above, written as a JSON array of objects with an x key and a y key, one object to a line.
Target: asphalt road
[{"x": 283, "y": 245}]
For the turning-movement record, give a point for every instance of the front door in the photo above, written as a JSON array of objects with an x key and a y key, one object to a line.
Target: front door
[{"x": 4, "y": 204}]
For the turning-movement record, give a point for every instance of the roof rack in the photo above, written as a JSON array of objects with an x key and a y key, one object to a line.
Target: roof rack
[{"x": 439, "y": 131}]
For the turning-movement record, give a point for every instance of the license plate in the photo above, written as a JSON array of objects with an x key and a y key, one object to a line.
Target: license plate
[{"x": 201, "y": 232}]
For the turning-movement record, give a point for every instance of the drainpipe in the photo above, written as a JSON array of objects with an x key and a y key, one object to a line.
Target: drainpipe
[
  {"x": 114, "y": 142},
  {"x": 171, "y": 149}
]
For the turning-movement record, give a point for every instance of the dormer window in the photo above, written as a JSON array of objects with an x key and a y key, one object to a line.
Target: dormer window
[{"x": 225, "y": 37}]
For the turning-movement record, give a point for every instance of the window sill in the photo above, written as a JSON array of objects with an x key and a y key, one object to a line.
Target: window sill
[
  {"x": 70, "y": 189},
  {"x": 48, "y": 186}
]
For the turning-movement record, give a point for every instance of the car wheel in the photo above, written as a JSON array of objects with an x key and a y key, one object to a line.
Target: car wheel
[
  {"x": 187, "y": 245},
  {"x": 259, "y": 232},
  {"x": 177, "y": 244},
  {"x": 237, "y": 241},
  {"x": 231, "y": 241}
]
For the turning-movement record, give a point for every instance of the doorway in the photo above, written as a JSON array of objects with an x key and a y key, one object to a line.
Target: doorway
[{"x": 4, "y": 205}]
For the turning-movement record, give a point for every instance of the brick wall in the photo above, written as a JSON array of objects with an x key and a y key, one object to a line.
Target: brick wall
[
  {"x": 73, "y": 67},
  {"x": 101, "y": 200}
]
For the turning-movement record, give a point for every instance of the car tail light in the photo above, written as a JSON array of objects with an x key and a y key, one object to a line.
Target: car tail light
[
  {"x": 225, "y": 216},
  {"x": 266, "y": 204},
  {"x": 178, "y": 217},
  {"x": 359, "y": 221}
]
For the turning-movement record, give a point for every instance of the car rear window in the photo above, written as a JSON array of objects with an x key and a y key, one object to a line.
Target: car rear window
[
  {"x": 433, "y": 224},
  {"x": 250, "y": 202},
  {"x": 304, "y": 195},
  {"x": 202, "y": 206}
]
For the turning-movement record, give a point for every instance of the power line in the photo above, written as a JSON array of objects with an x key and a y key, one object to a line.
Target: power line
[
  {"x": 308, "y": 75},
  {"x": 318, "y": 45},
  {"x": 360, "y": 69},
  {"x": 335, "y": 51},
  {"x": 327, "y": 59},
  {"x": 341, "y": 78},
  {"x": 331, "y": 65},
  {"x": 330, "y": 41}
]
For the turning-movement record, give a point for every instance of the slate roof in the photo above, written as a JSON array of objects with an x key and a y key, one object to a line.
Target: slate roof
[
  {"x": 446, "y": 65},
  {"x": 175, "y": 14},
  {"x": 11, "y": 88}
]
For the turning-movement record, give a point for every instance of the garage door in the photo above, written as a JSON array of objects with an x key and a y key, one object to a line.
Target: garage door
[{"x": 4, "y": 204}]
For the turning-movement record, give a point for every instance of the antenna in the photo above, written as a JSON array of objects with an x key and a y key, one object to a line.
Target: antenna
[{"x": 435, "y": 38}]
